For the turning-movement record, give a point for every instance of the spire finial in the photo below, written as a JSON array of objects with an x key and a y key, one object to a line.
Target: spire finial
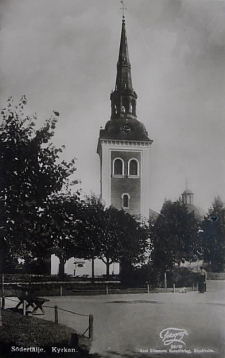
[{"x": 123, "y": 8}]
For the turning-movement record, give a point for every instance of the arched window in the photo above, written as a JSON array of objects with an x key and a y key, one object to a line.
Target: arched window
[
  {"x": 125, "y": 105},
  {"x": 125, "y": 201},
  {"x": 133, "y": 167},
  {"x": 130, "y": 108},
  {"x": 133, "y": 107},
  {"x": 118, "y": 167}
]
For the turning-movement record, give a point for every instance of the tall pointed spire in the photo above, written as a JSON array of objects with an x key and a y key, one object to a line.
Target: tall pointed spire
[
  {"x": 123, "y": 99},
  {"x": 123, "y": 79},
  {"x": 123, "y": 123}
]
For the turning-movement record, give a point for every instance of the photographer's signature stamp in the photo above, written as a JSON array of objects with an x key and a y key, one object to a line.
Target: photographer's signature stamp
[
  {"x": 173, "y": 340},
  {"x": 171, "y": 335}
]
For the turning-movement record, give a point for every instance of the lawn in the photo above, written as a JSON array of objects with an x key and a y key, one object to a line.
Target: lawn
[{"x": 18, "y": 333}]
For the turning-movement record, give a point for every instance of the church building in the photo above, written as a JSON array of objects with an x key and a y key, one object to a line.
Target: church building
[
  {"x": 124, "y": 145},
  {"x": 124, "y": 151}
]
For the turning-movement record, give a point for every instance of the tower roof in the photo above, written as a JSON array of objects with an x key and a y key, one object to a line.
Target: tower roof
[
  {"x": 123, "y": 52},
  {"x": 124, "y": 123},
  {"x": 123, "y": 78}
]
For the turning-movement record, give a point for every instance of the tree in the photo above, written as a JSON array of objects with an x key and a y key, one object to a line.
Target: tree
[
  {"x": 61, "y": 225},
  {"x": 93, "y": 227},
  {"x": 30, "y": 171},
  {"x": 111, "y": 235},
  {"x": 123, "y": 238},
  {"x": 174, "y": 236},
  {"x": 213, "y": 236}
]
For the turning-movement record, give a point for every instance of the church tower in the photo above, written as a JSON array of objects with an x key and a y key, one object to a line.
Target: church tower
[{"x": 124, "y": 146}]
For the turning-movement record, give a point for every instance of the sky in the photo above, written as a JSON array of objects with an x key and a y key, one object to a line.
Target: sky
[{"x": 62, "y": 55}]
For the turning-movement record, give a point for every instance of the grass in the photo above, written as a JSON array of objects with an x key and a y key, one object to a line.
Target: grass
[{"x": 24, "y": 331}]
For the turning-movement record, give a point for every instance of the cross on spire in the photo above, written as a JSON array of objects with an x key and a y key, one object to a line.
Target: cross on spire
[{"x": 123, "y": 8}]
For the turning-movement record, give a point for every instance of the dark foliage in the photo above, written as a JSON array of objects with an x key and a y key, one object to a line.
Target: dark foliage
[
  {"x": 113, "y": 234},
  {"x": 213, "y": 237},
  {"x": 181, "y": 277},
  {"x": 140, "y": 276},
  {"x": 61, "y": 226},
  {"x": 174, "y": 236},
  {"x": 30, "y": 171}
]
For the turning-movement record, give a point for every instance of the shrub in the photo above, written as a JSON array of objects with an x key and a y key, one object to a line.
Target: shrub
[
  {"x": 139, "y": 276},
  {"x": 182, "y": 277}
]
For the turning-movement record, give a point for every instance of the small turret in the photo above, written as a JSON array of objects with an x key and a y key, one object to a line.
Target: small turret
[{"x": 187, "y": 197}]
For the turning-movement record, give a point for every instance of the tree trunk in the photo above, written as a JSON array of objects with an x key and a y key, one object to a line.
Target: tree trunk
[
  {"x": 125, "y": 272},
  {"x": 2, "y": 255},
  {"x": 2, "y": 294},
  {"x": 62, "y": 268},
  {"x": 107, "y": 269},
  {"x": 93, "y": 269},
  {"x": 107, "y": 262},
  {"x": 1, "y": 280}
]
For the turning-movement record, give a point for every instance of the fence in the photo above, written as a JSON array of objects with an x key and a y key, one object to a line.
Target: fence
[
  {"x": 56, "y": 315},
  {"x": 88, "y": 330},
  {"x": 74, "y": 288},
  {"x": 87, "y": 289}
]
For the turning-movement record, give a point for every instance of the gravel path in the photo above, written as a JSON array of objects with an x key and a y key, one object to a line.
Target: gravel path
[{"x": 130, "y": 325}]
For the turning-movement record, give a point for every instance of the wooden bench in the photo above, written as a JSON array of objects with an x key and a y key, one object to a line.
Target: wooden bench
[{"x": 27, "y": 296}]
